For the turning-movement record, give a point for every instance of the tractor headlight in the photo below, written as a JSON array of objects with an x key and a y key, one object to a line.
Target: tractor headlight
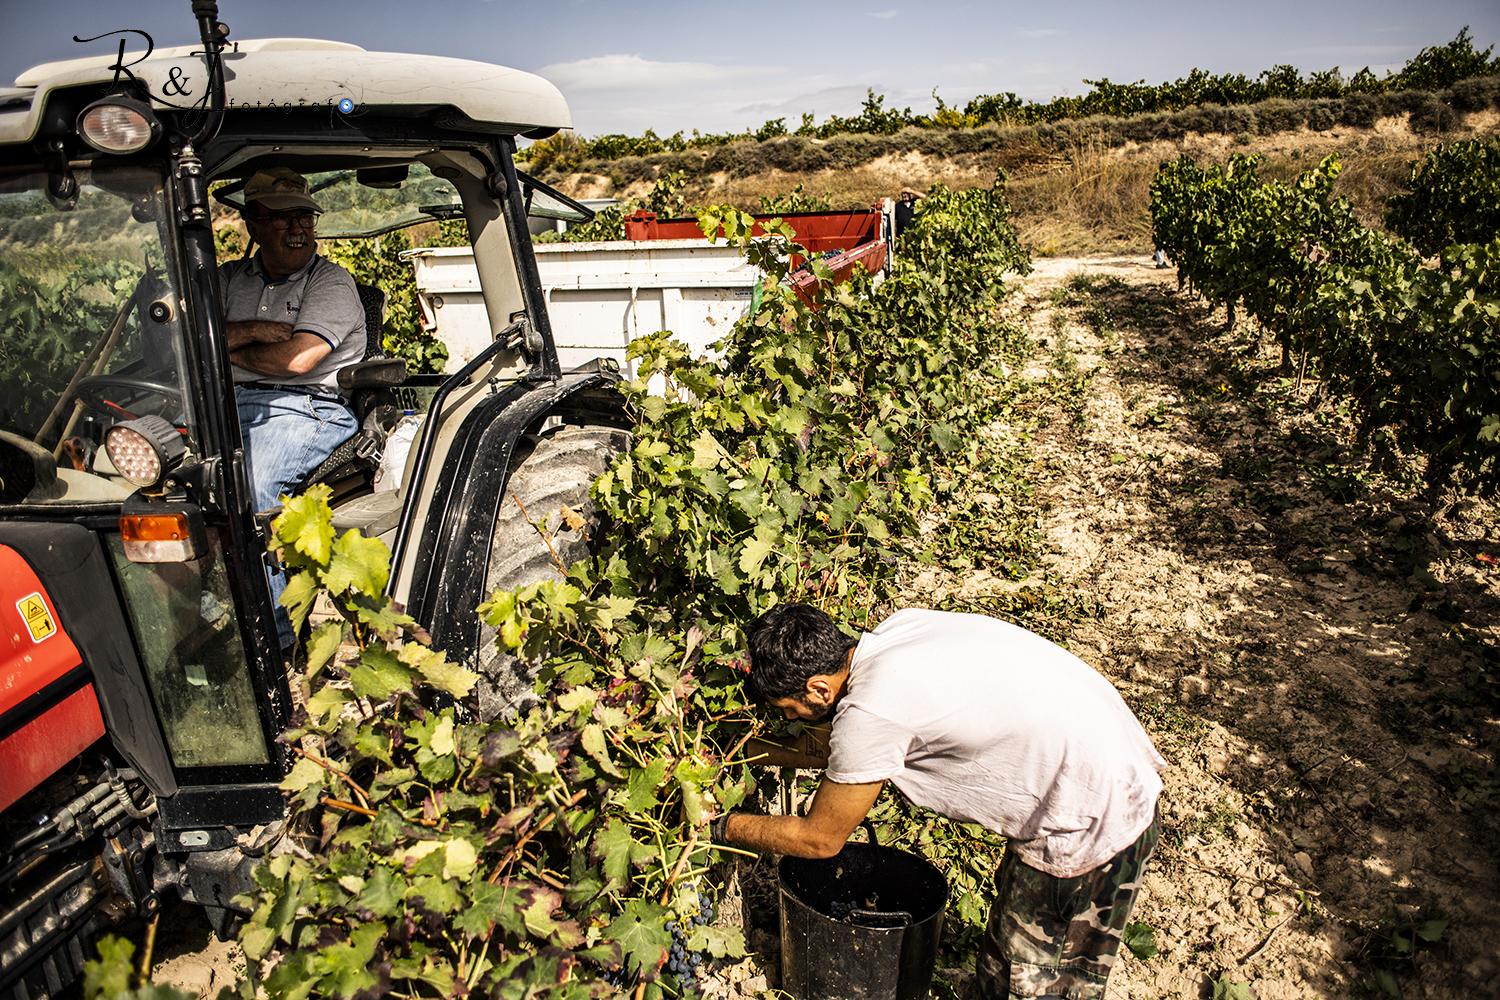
[
  {"x": 145, "y": 449},
  {"x": 119, "y": 124}
]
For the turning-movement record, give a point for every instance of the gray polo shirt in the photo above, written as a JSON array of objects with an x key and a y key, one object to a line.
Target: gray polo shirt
[{"x": 319, "y": 299}]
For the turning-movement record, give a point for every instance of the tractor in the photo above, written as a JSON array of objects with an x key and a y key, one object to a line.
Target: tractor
[{"x": 144, "y": 687}]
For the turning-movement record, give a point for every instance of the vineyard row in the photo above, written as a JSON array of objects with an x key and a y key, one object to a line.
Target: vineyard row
[{"x": 1412, "y": 346}]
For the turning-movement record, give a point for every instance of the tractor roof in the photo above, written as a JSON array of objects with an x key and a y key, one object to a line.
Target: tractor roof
[{"x": 305, "y": 72}]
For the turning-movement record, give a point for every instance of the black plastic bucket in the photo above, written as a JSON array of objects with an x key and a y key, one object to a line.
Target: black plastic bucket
[{"x": 864, "y": 923}]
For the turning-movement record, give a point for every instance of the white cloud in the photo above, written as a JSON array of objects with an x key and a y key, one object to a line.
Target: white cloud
[
  {"x": 883, "y": 15},
  {"x": 613, "y": 73},
  {"x": 1038, "y": 32}
]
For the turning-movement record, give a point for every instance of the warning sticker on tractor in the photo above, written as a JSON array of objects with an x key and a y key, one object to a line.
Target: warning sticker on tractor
[{"x": 34, "y": 610}]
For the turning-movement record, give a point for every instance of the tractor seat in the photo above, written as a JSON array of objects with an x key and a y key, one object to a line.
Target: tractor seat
[{"x": 351, "y": 467}]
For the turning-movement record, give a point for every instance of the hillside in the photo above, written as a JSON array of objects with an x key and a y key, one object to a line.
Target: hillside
[{"x": 1072, "y": 190}]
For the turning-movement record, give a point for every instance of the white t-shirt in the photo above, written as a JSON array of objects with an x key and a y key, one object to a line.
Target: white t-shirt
[{"x": 988, "y": 723}]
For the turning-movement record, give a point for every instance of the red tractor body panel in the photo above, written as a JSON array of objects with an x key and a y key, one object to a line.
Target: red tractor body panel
[{"x": 36, "y": 656}]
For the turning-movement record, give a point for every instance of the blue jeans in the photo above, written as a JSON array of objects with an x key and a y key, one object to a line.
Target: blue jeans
[{"x": 287, "y": 435}]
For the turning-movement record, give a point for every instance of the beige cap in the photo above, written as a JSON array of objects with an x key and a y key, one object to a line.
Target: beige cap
[{"x": 278, "y": 189}]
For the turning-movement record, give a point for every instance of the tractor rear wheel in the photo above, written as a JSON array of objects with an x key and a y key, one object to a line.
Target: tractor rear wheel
[{"x": 549, "y": 471}]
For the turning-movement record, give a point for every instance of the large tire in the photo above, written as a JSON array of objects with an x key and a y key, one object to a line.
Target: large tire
[{"x": 549, "y": 470}]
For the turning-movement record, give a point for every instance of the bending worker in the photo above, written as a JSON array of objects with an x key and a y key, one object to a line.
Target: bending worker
[
  {"x": 294, "y": 319},
  {"x": 984, "y": 722}
]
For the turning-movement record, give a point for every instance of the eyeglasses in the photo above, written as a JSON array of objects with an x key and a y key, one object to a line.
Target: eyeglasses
[{"x": 284, "y": 220}]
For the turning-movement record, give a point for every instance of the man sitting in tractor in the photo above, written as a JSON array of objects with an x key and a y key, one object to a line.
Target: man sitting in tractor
[
  {"x": 985, "y": 723},
  {"x": 294, "y": 319}
]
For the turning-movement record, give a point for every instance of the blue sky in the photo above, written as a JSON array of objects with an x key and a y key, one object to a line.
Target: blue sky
[{"x": 671, "y": 64}]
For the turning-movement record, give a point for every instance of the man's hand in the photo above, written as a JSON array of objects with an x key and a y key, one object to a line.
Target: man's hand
[
  {"x": 822, "y": 833},
  {"x": 296, "y": 356},
  {"x": 256, "y": 331},
  {"x": 807, "y": 749}
]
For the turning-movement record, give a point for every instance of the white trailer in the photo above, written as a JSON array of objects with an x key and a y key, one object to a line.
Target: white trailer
[{"x": 600, "y": 296}]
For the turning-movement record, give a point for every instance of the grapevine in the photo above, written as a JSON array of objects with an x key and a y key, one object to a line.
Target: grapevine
[
  {"x": 547, "y": 853},
  {"x": 1412, "y": 347}
]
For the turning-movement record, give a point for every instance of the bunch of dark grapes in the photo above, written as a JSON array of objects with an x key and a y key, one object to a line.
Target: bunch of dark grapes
[{"x": 682, "y": 965}]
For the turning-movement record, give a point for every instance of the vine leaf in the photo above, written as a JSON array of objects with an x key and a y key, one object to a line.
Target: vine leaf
[
  {"x": 641, "y": 785},
  {"x": 641, "y": 934},
  {"x": 620, "y": 851},
  {"x": 306, "y": 526},
  {"x": 301, "y": 590},
  {"x": 594, "y": 743},
  {"x": 1140, "y": 939},
  {"x": 720, "y": 942},
  {"x": 346, "y": 965},
  {"x": 304, "y": 773},
  {"x": 357, "y": 563},
  {"x": 383, "y": 892},
  {"x": 325, "y": 642},
  {"x": 327, "y": 698}
]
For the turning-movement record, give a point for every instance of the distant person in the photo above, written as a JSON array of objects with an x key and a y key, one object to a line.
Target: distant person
[
  {"x": 906, "y": 208},
  {"x": 294, "y": 319}
]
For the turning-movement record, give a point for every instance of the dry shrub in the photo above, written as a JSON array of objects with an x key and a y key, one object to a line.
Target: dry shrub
[{"x": 1095, "y": 201}]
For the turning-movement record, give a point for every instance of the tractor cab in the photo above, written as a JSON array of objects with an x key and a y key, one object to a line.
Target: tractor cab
[{"x": 145, "y": 684}]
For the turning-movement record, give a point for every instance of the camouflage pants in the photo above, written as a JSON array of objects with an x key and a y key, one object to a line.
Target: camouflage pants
[{"x": 1058, "y": 937}]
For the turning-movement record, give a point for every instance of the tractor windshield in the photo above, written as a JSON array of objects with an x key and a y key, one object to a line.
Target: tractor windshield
[
  {"x": 94, "y": 332},
  {"x": 373, "y": 201}
]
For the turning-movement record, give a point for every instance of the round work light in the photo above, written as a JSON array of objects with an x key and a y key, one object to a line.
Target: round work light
[
  {"x": 145, "y": 449},
  {"x": 118, "y": 124}
]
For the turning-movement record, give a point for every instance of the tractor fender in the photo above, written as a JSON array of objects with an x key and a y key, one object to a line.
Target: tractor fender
[{"x": 448, "y": 585}]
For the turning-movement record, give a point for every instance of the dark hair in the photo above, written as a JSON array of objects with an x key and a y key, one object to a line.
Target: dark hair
[{"x": 789, "y": 644}]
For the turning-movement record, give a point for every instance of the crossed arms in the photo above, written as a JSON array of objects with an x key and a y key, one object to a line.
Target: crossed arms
[{"x": 272, "y": 348}]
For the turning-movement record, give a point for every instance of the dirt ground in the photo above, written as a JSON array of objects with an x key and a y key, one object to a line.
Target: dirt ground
[
  {"x": 1288, "y": 628},
  {"x": 1312, "y": 648},
  {"x": 1287, "y": 632}
]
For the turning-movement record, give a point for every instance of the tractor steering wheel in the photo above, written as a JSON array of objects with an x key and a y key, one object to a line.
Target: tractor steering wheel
[{"x": 91, "y": 389}]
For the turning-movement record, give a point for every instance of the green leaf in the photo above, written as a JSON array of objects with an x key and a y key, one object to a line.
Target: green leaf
[
  {"x": 359, "y": 564},
  {"x": 1140, "y": 939},
  {"x": 620, "y": 851},
  {"x": 303, "y": 774},
  {"x": 1224, "y": 989},
  {"x": 435, "y": 894},
  {"x": 757, "y": 549},
  {"x": 707, "y": 452},
  {"x": 379, "y": 674},
  {"x": 111, "y": 973},
  {"x": 720, "y": 942},
  {"x": 641, "y": 932},
  {"x": 598, "y": 748},
  {"x": 323, "y": 644},
  {"x": 345, "y": 966},
  {"x": 1431, "y": 931},
  {"x": 383, "y": 892},
  {"x": 327, "y": 699},
  {"x": 305, "y": 525},
  {"x": 641, "y": 784},
  {"x": 945, "y": 436},
  {"x": 301, "y": 590},
  {"x": 487, "y": 903},
  {"x": 437, "y": 672}
]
